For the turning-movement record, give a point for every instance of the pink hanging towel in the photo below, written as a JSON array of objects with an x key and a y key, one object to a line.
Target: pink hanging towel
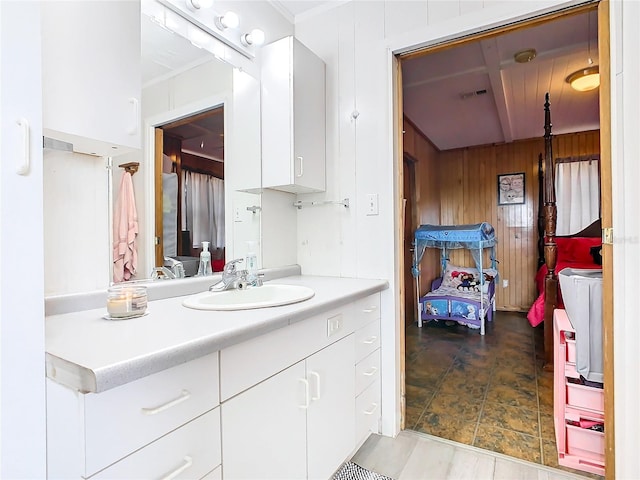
[{"x": 125, "y": 232}]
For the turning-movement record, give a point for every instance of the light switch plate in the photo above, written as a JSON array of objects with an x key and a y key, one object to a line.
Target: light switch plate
[{"x": 372, "y": 204}]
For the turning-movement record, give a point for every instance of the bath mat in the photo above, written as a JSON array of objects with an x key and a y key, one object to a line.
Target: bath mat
[{"x": 353, "y": 471}]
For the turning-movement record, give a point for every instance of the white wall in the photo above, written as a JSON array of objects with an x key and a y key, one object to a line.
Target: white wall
[{"x": 356, "y": 41}]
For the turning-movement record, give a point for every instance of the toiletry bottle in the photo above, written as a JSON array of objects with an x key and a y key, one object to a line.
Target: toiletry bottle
[
  {"x": 251, "y": 262},
  {"x": 204, "y": 268}
]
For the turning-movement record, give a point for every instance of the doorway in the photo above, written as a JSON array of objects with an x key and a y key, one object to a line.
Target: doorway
[
  {"x": 189, "y": 189},
  {"x": 449, "y": 210}
]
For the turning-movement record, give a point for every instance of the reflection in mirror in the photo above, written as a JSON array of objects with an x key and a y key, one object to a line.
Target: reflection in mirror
[
  {"x": 179, "y": 80},
  {"x": 186, "y": 105},
  {"x": 190, "y": 205}
]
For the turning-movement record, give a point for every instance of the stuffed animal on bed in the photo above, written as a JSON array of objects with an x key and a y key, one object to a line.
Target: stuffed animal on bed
[{"x": 467, "y": 281}]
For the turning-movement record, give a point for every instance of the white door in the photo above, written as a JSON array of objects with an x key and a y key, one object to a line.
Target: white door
[
  {"x": 264, "y": 429},
  {"x": 331, "y": 415},
  {"x": 22, "y": 374}
]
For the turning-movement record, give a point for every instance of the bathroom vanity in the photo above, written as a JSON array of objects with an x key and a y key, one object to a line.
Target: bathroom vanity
[{"x": 288, "y": 391}]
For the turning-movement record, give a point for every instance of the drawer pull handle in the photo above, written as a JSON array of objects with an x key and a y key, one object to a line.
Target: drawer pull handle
[
  {"x": 370, "y": 340},
  {"x": 316, "y": 375},
  {"x": 373, "y": 308},
  {"x": 305, "y": 382},
  {"x": 184, "y": 396},
  {"x": 374, "y": 407},
  {"x": 186, "y": 464},
  {"x": 371, "y": 371}
]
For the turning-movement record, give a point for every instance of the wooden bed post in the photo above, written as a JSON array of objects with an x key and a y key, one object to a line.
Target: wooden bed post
[
  {"x": 540, "y": 210},
  {"x": 550, "y": 247}
]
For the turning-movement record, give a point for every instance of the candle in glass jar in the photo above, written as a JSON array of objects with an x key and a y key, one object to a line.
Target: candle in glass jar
[{"x": 125, "y": 301}]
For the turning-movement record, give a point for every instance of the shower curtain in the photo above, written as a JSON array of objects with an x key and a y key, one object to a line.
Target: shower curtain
[{"x": 203, "y": 208}]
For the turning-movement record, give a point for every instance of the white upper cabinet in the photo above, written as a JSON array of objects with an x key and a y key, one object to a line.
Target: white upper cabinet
[
  {"x": 293, "y": 118},
  {"x": 91, "y": 74}
]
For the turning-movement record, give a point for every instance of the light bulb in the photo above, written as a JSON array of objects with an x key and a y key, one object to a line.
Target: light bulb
[
  {"x": 228, "y": 20},
  {"x": 198, "y": 4},
  {"x": 255, "y": 37}
]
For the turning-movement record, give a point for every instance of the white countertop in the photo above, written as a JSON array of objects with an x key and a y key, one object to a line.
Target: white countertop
[{"x": 90, "y": 354}]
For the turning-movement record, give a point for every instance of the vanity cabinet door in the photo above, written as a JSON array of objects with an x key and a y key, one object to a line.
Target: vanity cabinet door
[
  {"x": 293, "y": 118},
  {"x": 331, "y": 415},
  {"x": 299, "y": 423},
  {"x": 91, "y": 74},
  {"x": 264, "y": 428}
]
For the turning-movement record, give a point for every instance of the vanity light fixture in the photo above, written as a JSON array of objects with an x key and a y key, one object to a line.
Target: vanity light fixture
[
  {"x": 228, "y": 20},
  {"x": 255, "y": 37},
  {"x": 198, "y": 4}
]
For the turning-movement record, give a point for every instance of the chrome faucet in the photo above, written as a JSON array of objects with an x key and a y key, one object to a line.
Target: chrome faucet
[
  {"x": 231, "y": 277},
  {"x": 176, "y": 267}
]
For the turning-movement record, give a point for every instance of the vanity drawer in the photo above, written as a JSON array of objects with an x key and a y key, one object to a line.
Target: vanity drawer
[
  {"x": 367, "y": 412},
  {"x": 367, "y": 371},
  {"x": 367, "y": 309},
  {"x": 248, "y": 363},
  {"x": 367, "y": 339},
  {"x": 124, "y": 419},
  {"x": 192, "y": 451}
]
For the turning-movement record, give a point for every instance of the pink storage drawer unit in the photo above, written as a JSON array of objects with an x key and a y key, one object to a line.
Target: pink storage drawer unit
[
  {"x": 581, "y": 396},
  {"x": 586, "y": 444},
  {"x": 578, "y": 448}
]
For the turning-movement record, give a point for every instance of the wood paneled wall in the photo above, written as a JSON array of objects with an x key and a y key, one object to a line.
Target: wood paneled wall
[{"x": 461, "y": 186}]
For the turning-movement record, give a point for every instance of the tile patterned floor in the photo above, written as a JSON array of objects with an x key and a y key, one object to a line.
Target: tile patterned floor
[{"x": 487, "y": 391}]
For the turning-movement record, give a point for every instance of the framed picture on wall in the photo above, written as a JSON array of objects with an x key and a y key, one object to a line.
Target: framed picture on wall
[{"x": 511, "y": 189}]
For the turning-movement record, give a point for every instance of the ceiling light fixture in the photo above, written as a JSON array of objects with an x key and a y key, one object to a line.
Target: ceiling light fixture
[
  {"x": 198, "y": 4},
  {"x": 525, "y": 56},
  {"x": 228, "y": 20},
  {"x": 585, "y": 79},
  {"x": 255, "y": 37}
]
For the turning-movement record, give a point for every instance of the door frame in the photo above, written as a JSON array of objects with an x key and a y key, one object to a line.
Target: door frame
[
  {"x": 152, "y": 184},
  {"x": 604, "y": 33}
]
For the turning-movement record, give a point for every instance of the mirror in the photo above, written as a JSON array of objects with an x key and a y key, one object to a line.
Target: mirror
[
  {"x": 180, "y": 80},
  {"x": 193, "y": 105}
]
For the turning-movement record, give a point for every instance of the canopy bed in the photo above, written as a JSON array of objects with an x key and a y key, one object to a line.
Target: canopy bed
[
  {"x": 580, "y": 250},
  {"x": 465, "y": 295}
]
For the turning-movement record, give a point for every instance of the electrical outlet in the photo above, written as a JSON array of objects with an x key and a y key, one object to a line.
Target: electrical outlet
[
  {"x": 334, "y": 325},
  {"x": 505, "y": 283}
]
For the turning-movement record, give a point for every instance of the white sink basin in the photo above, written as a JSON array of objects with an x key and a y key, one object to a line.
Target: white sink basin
[{"x": 254, "y": 297}]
